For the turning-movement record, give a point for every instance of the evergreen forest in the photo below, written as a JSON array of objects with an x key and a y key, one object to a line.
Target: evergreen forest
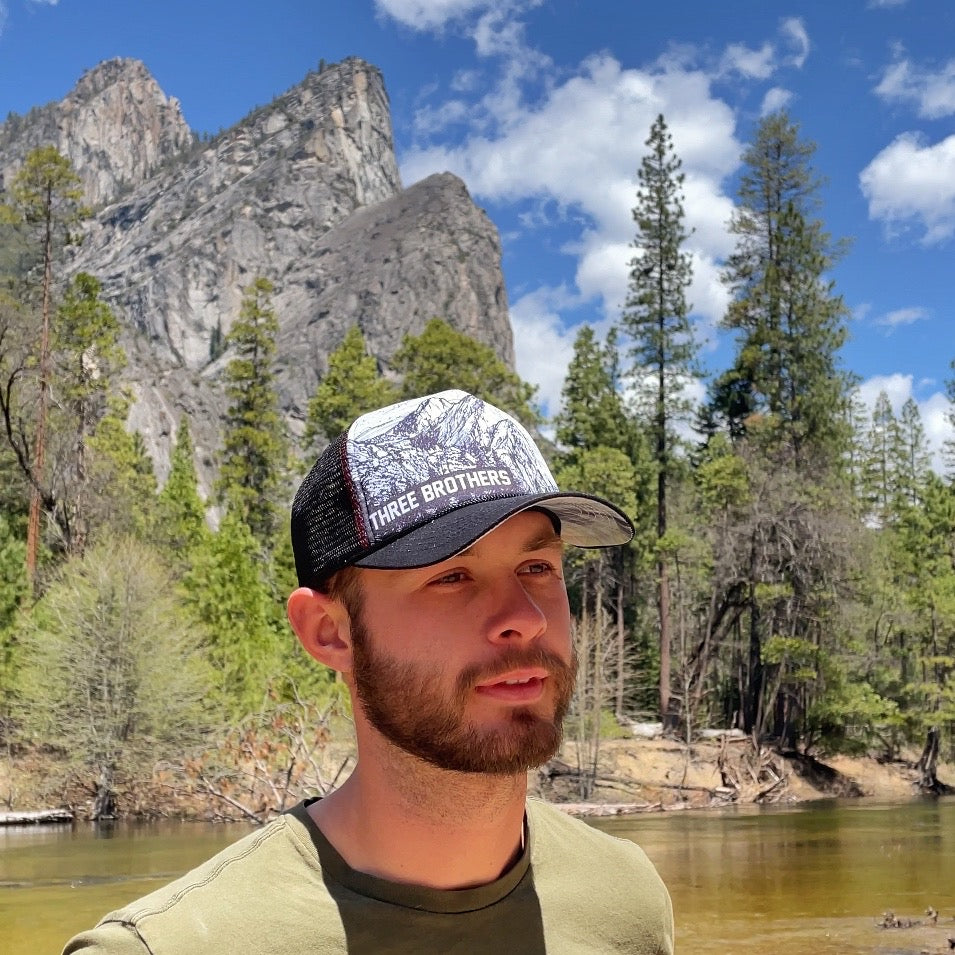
[{"x": 792, "y": 575}]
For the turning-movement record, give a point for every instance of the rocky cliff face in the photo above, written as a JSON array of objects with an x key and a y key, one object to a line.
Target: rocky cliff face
[
  {"x": 305, "y": 192},
  {"x": 116, "y": 127}
]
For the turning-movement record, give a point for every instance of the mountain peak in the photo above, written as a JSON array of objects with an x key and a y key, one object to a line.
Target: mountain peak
[{"x": 109, "y": 72}]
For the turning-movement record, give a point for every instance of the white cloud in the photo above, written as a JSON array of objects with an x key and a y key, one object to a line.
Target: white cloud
[
  {"x": 754, "y": 64},
  {"x": 774, "y": 100},
  {"x": 935, "y": 413},
  {"x": 466, "y": 81},
  {"x": 933, "y": 410},
  {"x": 430, "y": 14},
  {"x": 761, "y": 62},
  {"x": 885, "y": 4},
  {"x": 563, "y": 148},
  {"x": 435, "y": 119},
  {"x": 797, "y": 38},
  {"x": 931, "y": 92},
  {"x": 912, "y": 182},
  {"x": 903, "y": 316},
  {"x": 536, "y": 151},
  {"x": 543, "y": 347},
  {"x": 898, "y": 389}
]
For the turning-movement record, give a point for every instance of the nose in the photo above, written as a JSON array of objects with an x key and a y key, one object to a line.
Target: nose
[{"x": 515, "y": 616}]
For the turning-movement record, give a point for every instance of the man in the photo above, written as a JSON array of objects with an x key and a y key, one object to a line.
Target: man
[{"x": 428, "y": 543}]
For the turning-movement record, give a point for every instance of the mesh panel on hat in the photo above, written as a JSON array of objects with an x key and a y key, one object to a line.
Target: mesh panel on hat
[{"x": 326, "y": 533}]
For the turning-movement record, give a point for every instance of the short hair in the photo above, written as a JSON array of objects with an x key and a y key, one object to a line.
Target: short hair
[{"x": 344, "y": 586}]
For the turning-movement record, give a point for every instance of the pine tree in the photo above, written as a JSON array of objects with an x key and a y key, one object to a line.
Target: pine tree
[
  {"x": 601, "y": 451},
  {"x": 45, "y": 198},
  {"x": 881, "y": 444},
  {"x": 913, "y": 462},
  {"x": 442, "y": 357},
  {"x": 790, "y": 322},
  {"x": 83, "y": 360},
  {"x": 592, "y": 411},
  {"x": 122, "y": 483},
  {"x": 180, "y": 512},
  {"x": 255, "y": 453},
  {"x": 226, "y": 592},
  {"x": 351, "y": 387},
  {"x": 656, "y": 319},
  {"x": 86, "y": 359},
  {"x": 948, "y": 448}
]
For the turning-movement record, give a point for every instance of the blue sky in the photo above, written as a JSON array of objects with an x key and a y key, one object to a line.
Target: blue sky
[{"x": 543, "y": 107}]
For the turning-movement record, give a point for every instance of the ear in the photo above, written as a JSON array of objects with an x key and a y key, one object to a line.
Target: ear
[{"x": 323, "y": 627}]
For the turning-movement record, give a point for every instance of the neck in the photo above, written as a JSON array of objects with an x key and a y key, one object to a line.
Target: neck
[{"x": 402, "y": 819}]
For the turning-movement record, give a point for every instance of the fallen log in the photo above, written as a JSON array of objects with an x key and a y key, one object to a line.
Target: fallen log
[
  {"x": 605, "y": 809},
  {"x": 35, "y": 817}
]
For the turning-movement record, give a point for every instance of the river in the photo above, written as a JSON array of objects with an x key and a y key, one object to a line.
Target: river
[{"x": 807, "y": 880}]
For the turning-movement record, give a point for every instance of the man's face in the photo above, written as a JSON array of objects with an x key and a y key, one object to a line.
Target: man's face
[{"x": 467, "y": 664}]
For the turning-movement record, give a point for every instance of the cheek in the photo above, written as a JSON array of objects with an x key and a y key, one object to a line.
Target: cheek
[{"x": 557, "y": 611}]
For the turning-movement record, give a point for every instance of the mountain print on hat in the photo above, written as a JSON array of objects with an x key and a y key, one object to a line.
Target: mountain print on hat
[{"x": 424, "y": 457}]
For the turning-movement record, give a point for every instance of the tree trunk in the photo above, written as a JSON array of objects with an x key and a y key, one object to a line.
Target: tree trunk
[
  {"x": 39, "y": 450},
  {"x": 753, "y": 689},
  {"x": 928, "y": 781},
  {"x": 621, "y": 648},
  {"x": 104, "y": 802}
]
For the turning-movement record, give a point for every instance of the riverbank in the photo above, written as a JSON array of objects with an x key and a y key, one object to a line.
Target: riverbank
[
  {"x": 665, "y": 775},
  {"x": 633, "y": 775}
]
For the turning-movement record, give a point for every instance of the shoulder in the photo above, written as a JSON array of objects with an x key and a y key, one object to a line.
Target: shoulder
[
  {"x": 554, "y": 830},
  {"x": 221, "y": 905},
  {"x": 589, "y": 878}
]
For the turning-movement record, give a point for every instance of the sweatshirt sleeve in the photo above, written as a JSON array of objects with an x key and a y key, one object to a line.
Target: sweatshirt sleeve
[{"x": 108, "y": 938}]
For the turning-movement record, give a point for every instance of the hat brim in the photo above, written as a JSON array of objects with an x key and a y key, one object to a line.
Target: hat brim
[{"x": 585, "y": 521}]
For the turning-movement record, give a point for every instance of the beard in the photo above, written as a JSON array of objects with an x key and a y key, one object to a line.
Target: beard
[{"x": 403, "y": 701}]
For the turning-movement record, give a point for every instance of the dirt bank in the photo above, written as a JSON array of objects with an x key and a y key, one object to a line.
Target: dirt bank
[
  {"x": 663, "y": 774},
  {"x": 633, "y": 775}
]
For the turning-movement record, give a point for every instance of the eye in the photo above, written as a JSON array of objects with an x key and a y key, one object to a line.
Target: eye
[
  {"x": 537, "y": 567},
  {"x": 451, "y": 577}
]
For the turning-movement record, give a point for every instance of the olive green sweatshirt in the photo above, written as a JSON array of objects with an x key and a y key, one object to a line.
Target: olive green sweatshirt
[{"x": 284, "y": 890}]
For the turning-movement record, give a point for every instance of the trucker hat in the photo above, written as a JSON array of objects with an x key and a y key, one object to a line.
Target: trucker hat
[{"x": 419, "y": 481}]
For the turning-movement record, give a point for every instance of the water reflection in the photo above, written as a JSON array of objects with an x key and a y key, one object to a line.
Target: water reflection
[
  {"x": 805, "y": 879},
  {"x": 748, "y": 880}
]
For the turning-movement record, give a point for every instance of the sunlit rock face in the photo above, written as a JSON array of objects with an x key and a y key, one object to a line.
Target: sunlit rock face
[{"x": 305, "y": 192}]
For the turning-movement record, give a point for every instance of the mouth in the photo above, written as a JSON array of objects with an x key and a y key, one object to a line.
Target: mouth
[{"x": 523, "y": 686}]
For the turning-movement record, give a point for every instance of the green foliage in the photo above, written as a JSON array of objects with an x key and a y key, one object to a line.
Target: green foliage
[
  {"x": 606, "y": 472},
  {"x": 45, "y": 193},
  {"x": 85, "y": 342},
  {"x": 227, "y": 593},
  {"x": 255, "y": 455},
  {"x": 351, "y": 387},
  {"x": 180, "y": 512},
  {"x": 110, "y": 668},
  {"x": 122, "y": 499},
  {"x": 790, "y": 324},
  {"x": 86, "y": 359},
  {"x": 13, "y": 581},
  {"x": 656, "y": 314},
  {"x": 441, "y": 358},
  {"x": 592, "y": 411},
  {"x": 14, "y": 588},
  {"x": 721, "y": 476},
  {"x": 852, "y": 717}
]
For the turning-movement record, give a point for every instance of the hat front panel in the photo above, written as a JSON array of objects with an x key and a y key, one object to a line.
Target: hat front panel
[{"x": 420, "y": 459}]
